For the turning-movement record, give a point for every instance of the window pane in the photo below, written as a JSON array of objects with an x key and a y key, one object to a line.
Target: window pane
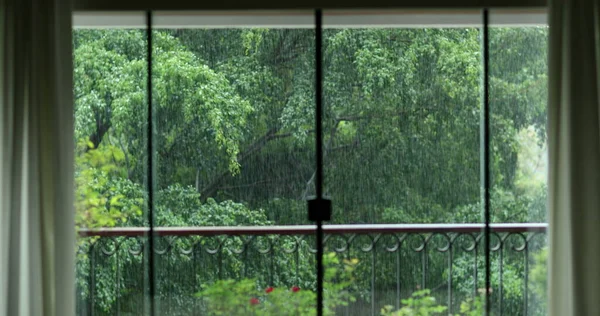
[
  {"x": 233, "y": 98},
  {"x": 111, "y": 167},
  {"x": 402, "y": 124},
  {"x": 518, "y": 111},
  {"x": 234, "y": 109},
  {"x": 518, "y": 104},
  {"x": 402, "y": 146}
]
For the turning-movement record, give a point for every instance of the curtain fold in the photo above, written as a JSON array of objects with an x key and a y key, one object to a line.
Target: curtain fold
[
  {"x": 37, "y": 235},
  {"x": 574, "y": 152}
]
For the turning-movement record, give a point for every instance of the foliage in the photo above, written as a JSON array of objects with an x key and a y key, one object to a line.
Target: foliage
[
  {"x": 109, "y": 95},
  {"x": 181, "y": 206},
  {"x": 419, "y": 304},
  {"x": 103, "y": 198},
  {"x": 539, "y": 280},
  {"x": 233, "y": 112},
  {"x": 231, "y": 297},
  {"x": 473, "y": 306}
]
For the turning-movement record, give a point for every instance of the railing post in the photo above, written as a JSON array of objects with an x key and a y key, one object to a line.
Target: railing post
[
  {"x": 450, "y": 257},
  {"x": 501, "y": 277},
  {"x": 195, "y": 269},
  {"x": 244, "y": 255},
  {"x": 476, "y": 281},
  {"x": 398, "y": 278},
  {"x": 145, "y": 274},
  {"x": 117, "y": 281},
  {"x": 297, "y": 259},
  {"x": 349, "y": 256},
  {"x": 424, "y": 266},
  {"x": 373, "y": 248},
  {"x": 220, "y": 262},
  {"x": 92, "y": 281},
  {"x": 526, "y": 281},
  {"x": 270, "y": 253}
]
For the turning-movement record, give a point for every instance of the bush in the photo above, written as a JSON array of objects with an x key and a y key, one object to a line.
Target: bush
[
  {"x": 421, "y": 303},
  {"x": 245, "y": 297}
]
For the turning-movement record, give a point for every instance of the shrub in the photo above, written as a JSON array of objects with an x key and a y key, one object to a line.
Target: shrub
[{"x": 245, "y": 297}]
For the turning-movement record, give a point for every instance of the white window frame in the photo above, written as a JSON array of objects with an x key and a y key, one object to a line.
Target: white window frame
[
  {"x": 407, "y": 18},
  {"x": 143, "y": 5}
]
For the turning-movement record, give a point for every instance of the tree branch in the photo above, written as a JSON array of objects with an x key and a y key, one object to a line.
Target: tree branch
[
  {"x": 255, "y": 147},
  {"x": 126, "y": 157},
  {"x": 325, "y": 152},
  {"x": 351, "y": 118},
  {"x": 103, "y": 124},
  {"x": 272, "y": 134}
]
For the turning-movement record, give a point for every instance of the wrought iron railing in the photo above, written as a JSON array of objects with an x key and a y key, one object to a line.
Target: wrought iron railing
[{"x": 394, "y": 261}]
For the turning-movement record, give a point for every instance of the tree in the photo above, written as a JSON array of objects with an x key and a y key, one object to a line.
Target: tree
[{"x": 234, "y": 136}]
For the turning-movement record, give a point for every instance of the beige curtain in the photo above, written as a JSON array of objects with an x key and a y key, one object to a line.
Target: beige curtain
[
  {"x": 37, "y": 236},
  {"x": 574, "y": 145}
]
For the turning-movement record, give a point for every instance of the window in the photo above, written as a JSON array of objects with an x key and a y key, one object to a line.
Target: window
[{"x": 217, "y": 174}]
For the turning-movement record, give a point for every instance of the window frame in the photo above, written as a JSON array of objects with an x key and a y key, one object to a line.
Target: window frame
[
  {"x": 153, "y": 15},
  {"x": 335, "y": 18},
  {"x": 144, "y": 5}
]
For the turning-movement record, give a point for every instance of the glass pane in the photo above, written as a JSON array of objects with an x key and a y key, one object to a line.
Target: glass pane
[
  {"x": 401, "y": 144},
  {"x": 111, "y": 168},
  {"x": 235, "y": 147},
  {"x": 518, "y": 109},
  {"x": 234, "y": 102}
]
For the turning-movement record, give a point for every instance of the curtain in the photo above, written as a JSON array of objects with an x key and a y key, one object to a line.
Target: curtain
[
  {"x": 37, "y": 234},
  {"x": 574, "y": 152}
]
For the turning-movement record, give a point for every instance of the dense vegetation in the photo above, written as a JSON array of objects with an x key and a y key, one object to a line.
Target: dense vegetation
[{"x": 234, "y": 139}]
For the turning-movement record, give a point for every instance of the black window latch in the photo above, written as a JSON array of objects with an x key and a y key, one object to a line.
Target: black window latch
[{"x": 319, "y": 209}]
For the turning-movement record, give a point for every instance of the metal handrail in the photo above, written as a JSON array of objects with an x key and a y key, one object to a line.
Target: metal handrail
[
  {"x": 420, "y": 239},
  {"x": 310, "y": 229}
]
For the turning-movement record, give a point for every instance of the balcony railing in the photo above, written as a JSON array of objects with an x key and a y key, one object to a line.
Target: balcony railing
[{"x": 394, "y": 261}]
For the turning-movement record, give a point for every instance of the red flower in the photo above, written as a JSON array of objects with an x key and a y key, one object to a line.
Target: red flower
[
  {"x": 254, "y": 301},
  {"x": 269, "y": 289},
  {"x": 295, "y": 289}
]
